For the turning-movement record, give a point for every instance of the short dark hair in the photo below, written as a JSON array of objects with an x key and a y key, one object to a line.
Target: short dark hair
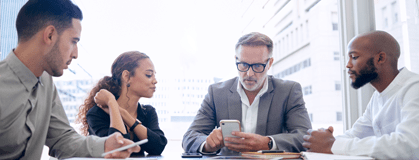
[
  {"x": 255, "y": 39},
  {"x": 37, "y": 14}
]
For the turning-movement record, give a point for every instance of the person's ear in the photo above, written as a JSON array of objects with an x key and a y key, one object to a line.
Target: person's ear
[
  {"x": 125, "y": 76},
  {"x": 271, "y": 61},
  {"x": 381, "y": 58},
  {"x": 49, "y": 35}
]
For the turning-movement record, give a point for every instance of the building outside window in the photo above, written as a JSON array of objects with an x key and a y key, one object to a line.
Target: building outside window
[{"x": 336, "y": 56}]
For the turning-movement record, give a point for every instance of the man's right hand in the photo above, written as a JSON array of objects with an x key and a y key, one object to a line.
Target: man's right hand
[
  {"x": 214, "y": 141},
  {"x": 115, "y": 141}
]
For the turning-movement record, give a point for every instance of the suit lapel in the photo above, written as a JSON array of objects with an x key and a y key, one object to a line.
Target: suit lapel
[
  {"x": 234, "y": 103},
  {"x": 263, "y": 110}
]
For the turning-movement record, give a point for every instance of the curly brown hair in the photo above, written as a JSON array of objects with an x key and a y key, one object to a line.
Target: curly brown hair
[{"x": 126, "y": 61}]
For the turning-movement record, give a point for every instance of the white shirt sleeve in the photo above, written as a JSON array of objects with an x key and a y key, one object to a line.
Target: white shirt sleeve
[
  {"x": 361, "y": 129},
  {"x": 273, "y": 143},
  {"x": 403, "y": 143}
]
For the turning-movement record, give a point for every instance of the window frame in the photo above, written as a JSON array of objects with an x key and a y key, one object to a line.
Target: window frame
[{"x": 355, "y": 17}]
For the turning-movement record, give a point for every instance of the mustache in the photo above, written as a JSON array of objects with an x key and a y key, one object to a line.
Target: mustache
[
  {"x": 351, "y": 72},
  {"x": 68, "y": 62},
  {"x": 249, "y": 79}
]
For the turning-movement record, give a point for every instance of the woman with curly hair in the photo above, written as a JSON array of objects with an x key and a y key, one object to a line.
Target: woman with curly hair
[{"x": 112, "y": 105}]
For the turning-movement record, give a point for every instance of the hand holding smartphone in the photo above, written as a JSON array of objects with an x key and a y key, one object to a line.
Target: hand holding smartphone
[
  {"x": 228, "y": 126},
  {"x": 126, "y": 147}
]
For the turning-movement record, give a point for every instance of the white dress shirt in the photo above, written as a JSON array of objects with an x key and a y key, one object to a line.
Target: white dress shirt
[
  {"x": 250, "y": 111},
  {"x": 389, "y": 128}
]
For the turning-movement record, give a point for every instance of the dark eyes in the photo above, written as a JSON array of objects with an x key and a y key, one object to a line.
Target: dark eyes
[
  {"x": 149, "y": 76},
  {"x": 354, "y": 58}
]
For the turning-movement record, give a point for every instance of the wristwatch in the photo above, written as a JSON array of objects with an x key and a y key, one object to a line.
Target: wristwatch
[
  {"x": 137, "y": 122},
  {"x": 270, "y": 144}
]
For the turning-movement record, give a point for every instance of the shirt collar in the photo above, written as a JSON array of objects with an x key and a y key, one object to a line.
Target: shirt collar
[
  {"x": 28, "y": 79},
  {"x": 261, "y": 92},
  {"x": 401, "y": 78}
]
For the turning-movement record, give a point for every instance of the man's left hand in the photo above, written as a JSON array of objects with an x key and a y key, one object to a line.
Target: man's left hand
[
  {"x": 115, "y": 141},
  {"x": 247, "y": 142}
]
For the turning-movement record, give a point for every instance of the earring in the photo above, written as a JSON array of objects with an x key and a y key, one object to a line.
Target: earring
[{"x": 128, "y": 85}]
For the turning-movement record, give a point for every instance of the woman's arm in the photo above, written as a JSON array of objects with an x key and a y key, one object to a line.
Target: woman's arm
[
  {"x": 99, "y": 123},
  {"x": 105, "y": 100},
  {"x": 150, "y": 130},
  {"x": 140, "y": 131}
]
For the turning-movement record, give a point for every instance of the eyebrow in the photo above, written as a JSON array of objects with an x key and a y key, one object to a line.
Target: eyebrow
[
  {"x": 351, "y": 52},
  {"x": 149, "y": 70}
]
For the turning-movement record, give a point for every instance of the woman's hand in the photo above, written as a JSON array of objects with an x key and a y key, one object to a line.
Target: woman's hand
[{"x": 103, "y": 98}]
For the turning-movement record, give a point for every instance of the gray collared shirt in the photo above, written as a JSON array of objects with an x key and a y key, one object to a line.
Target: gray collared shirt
[{"x": 31, "y": 116}]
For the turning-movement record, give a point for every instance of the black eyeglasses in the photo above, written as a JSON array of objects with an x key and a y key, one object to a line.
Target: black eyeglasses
[{"x": 256, "y": 67}]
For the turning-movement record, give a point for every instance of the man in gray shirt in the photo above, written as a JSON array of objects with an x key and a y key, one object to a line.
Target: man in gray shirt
[{"x": 31, "y": 113}]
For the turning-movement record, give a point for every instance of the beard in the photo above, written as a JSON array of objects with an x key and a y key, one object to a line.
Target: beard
[
  {"x": 54, "y": 60},
  {"x": 366, "y": 75},
  {"x": 256, "y": 86}
]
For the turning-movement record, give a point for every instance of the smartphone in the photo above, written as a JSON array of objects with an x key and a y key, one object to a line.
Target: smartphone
[
  {"x": 191, "y": 155},
  {"x": 126, "y": 147},
  {"x": 228, "y": 126}
]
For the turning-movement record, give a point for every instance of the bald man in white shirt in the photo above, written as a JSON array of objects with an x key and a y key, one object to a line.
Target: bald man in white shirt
[{"x": 390, "y": 125}]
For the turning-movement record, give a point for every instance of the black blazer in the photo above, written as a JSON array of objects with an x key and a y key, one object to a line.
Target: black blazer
[{"x": 99, "y": 122}]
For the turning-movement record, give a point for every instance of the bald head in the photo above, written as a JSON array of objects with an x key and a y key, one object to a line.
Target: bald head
[{"x": 375, "y": 42}]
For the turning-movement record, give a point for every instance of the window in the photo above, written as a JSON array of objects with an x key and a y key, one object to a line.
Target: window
[
  {"x": 338, "y": 116},
  {"x": 288, "y": 47},
  {"x": 292, "y": 41},
  {"x": 334, "y": 21},
  {"x": 337, "y": 85},
  {"x": 336, "y": 56},
  {"x": 278, "y": 49},
  {"x": 300, "y": 66},
  {"x": 385, "y": 18},
  {"x": 307, "y": 30},
  {"x": 394, "y": 12},
  {"x": 296, "y": 36},
  {"x": 335, "y": 26},
  {"x": 307, "y": 90},
  {"x": 293, "y": 69},
  {"x": 311, "y": 117}
]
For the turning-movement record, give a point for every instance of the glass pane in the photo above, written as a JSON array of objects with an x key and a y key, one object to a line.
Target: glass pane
[
  {"x": 309, "y": 31},
  {"x": 191, "y": 44},
  {"x": 400, "y": 18}
]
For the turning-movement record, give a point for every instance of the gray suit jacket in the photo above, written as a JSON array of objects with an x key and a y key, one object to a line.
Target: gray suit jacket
[{"x": 281, "y": 114}]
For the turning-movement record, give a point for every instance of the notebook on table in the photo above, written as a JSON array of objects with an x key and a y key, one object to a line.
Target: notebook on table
[{"x": 258, "y": 155}]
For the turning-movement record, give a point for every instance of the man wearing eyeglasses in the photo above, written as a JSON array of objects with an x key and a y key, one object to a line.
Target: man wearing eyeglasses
[{"x": 271, "y": 111}]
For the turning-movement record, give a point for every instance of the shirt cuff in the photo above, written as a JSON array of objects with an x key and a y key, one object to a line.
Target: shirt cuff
[
  {"x": 274, "y": 147},
  {"x": 202, "y": 147},
  {"x": 97, "y": 145},
  {"x": 339, "y": 145}
]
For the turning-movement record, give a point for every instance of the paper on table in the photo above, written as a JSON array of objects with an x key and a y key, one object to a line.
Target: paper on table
[
  {"x": 258, "y": 155},
  {"x": 322, "y": 156}
]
